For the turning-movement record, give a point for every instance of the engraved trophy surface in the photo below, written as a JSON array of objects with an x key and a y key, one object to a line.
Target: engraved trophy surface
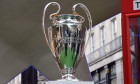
[{"x": 66, "y": 39}]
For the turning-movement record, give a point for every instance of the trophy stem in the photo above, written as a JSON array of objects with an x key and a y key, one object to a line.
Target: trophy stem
[{"x": 68, "y": 75}]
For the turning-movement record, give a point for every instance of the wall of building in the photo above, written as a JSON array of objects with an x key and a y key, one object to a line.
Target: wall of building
[
  {"x": 108, "y": 32},
  {"x": 103, "y": 57}
]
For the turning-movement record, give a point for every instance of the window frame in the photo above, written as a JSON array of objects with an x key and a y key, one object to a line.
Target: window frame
[
  {"x": 92, "y": 42},
  {"x": 102, "y": 35},
  {"x": 114, "y": 28}
]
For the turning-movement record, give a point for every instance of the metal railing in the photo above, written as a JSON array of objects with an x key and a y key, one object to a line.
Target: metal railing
[{"x": 105, "y": 50}]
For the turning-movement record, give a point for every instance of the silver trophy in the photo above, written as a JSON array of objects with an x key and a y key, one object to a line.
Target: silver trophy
[{"x": 67, "y": 39}]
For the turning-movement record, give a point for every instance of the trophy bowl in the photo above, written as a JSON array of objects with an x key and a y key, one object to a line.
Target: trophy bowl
[{"x": 66, "y": 39}]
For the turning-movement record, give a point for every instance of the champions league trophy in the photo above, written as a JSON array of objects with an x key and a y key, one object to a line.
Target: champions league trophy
[{"x": 67, "y": 39}]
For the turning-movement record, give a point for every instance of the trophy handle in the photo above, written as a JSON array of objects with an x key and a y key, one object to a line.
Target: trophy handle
[
  {"x": 88, "y": 15},
  {"x": 51, "y": 16}
]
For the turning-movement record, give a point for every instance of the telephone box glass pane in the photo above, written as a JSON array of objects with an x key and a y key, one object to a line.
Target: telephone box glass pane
[{"x": 134, "y": 25}]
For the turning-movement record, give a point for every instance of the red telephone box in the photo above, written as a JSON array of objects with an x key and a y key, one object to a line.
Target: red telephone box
[{"x": 130, "y": 10}]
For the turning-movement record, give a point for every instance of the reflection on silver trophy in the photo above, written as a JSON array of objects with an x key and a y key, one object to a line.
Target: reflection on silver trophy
[{"x": 67, "y": 39}]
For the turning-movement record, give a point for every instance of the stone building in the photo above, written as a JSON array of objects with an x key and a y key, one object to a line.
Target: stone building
[
  {"x": 29, "y": 76},
  {"x": 104, "y": 52}
]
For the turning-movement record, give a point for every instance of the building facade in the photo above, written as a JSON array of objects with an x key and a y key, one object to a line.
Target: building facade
[
  {"x": 29, "y": 76},
  {"x": 104, "y": 52}
]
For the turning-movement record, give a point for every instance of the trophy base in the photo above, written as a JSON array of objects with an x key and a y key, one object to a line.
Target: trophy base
[
  {"x": 68, "y": 77},
  {"x": 69, "y": 82}
]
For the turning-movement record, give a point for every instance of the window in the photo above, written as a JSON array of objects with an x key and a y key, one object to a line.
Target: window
[
  {"x": 102, "y": 36},
  {"x": 114, "y": 29},
  {"x": 96, "y": 77},
  {"x": 92, "y": 42},
  {"x": 113, "y": 78},
  {"x": 102, "y": 76},
  {"x": 113, "y": 71},
  {"x": 105, "y": 75},
  {"x": 131, "y": 36}
]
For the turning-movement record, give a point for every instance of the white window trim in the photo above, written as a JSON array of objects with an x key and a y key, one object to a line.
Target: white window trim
[
  {"x": 113, "y": 28},
  {"x": 92, "y": 42},
  {"x": 102, "y": 35}
]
